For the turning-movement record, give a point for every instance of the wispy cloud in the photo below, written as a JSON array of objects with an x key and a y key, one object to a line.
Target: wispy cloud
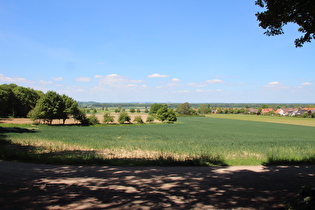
[
  {"x": 157, "y": 76},
  {"x": 206, "y": 83},
  {"x": 3, "y": 78},
  {"x": 306, "y": 83},
  {"x": 83, "y": 79},
  {"x": 214, "y": 81},
  {"x": 273, "y": 84},
  {"x": 43, "y": 82},
  {"x": 175, "y": 80},
  {"x": 115, "y": 80},
  {"x": 57, "y": 78}
]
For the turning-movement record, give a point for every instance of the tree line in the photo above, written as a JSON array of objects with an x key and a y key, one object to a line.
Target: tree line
[{"x": 18, "y": 101}]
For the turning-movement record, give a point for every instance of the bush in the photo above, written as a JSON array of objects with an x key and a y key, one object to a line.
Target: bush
[
  {"x": 123, "y": 117},
  {"x": 150, "y": 119},
  {"x": 108, "y": 118},
  {"x": 92, "y": 120},
  {"x": 132, "y": 110},
  {"x": 138, "y": 119}
]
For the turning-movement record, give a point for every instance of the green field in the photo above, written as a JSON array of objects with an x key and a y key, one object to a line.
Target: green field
[
  {"x": 272, "y": 119},
  {"x": 222, "y": 141}
]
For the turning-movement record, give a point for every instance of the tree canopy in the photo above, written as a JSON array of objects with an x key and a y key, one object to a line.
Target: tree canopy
[
  {"x": 16, "y": 100},
  {"x": 165, "y": 114},
  {"x": 281, "y": 12}
]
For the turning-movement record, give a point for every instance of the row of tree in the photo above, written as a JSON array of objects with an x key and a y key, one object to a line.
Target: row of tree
[
  {"x": 53, "y": 106},
  {"x": 17, "y": 101}
]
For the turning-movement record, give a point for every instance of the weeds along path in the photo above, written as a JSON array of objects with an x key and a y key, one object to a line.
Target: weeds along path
[{"x": 30, "y": 186}]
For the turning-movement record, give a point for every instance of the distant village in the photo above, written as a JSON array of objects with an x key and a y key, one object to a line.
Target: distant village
[{"x": 293, "y": 112}]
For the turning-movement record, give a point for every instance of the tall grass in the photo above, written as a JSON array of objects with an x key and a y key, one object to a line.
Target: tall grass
[{"x": 216, "y": 141}]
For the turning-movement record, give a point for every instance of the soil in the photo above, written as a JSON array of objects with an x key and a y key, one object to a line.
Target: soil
[{"x": 40, "y": 186}]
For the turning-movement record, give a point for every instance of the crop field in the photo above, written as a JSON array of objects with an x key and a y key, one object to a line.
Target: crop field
[
  {"x": 271, "y": 119},
  {"x": 211, "y": 141}
]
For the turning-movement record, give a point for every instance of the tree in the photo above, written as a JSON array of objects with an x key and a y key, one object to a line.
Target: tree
[
  {"x": 146, "y": 110},
  {"x": 155, "y": 107},
  {"x": 132, "y": 110},
  {"x": 123, "y": 117},
  {"x": 161, "y": 114},
  {"x": 71, "y": 108},
  {"x": 171, "y": 116},
  {"x": 93, "y": 120},
  {"x": 150, "y": 119},
  {"x": 49, "y": 107},
  {"x": 184, "y": 109},
  {"x": 165, "y": 114},
  {"x": 204, "y": 109},
  {"x": 108, "y": 118},
  {"x": 138, "y": 111},
  {"x": 281, "y": 12},
  {"x": 138, "y": 119}
]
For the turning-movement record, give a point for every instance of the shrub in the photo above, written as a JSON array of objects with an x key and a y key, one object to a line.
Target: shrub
[
  {"x": 132, "y": 110},
  {"x": 150, "y": 119},
  {"x": 92, "y": 120},
  {"x": 108, "y": 118},
  {"x": 138, "y": 119},
  {"x": 123, "y": 117}
]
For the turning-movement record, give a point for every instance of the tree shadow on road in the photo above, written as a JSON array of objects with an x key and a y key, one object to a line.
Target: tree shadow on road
[{"x": 102, "y": 187}]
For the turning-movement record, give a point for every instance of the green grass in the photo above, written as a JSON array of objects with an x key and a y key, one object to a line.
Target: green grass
[
  {"x": 191, "y": 141},
  {"x": 272, "y": 119}
]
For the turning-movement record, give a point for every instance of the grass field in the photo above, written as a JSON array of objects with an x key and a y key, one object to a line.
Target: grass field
[
  {"x": 271, "y": 119},
  {"x": 193, "y": 140}
]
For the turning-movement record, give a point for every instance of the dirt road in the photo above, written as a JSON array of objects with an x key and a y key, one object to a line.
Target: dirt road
[{"x": 29, "y": 186}]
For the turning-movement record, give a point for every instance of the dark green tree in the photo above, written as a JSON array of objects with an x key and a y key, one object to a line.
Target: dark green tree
[
  {"x": 184, "y": 109},
  {"x": 71, "y": 108},
  {"x": 165, "y": 114},
  {"x": 138, "y": 119},
  {"x": 123, "y": 118},
  {"x": 132, "y": 110},
  {"x": 108, "y": 118},
  {"x": 155, "y": 107},
  {"x": 150, "y": 119},
  {"x": 281, "y": 12},
  {"x": 49, "y": 107}
]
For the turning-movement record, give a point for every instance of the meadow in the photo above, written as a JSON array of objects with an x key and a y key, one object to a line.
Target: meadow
[{"x": 190, "y": 141}]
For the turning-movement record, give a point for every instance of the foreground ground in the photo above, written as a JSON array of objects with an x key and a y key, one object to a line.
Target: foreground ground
[{"x": 29, "y": 186}]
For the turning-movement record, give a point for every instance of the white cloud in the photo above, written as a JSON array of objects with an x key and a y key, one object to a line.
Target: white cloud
[
  {"x": 206, "y": 83},
  {"x": 306, "y": 83},
  {"x": 115, "y": 80},
  {"x": 212, "y": 81},
  {"x": 42, "y": 82},
  {"x": 13, "y": 80},
  {"x": 98, "y": 76},
  {"x": 157, "y": 76},
  {"x": 83, "y": 79},
  {"x": 184, "y": 91},
  {"x": 273, "y": 84},
  {"x": 57, "y": 78},
  {"x": 175, "y": 80}
]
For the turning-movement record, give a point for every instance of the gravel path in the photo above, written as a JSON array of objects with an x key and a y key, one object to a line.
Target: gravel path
[{"x": 39, "y": 186}]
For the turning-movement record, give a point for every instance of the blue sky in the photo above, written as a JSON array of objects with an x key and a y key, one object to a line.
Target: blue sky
[{"x": 152, "y": 51}]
